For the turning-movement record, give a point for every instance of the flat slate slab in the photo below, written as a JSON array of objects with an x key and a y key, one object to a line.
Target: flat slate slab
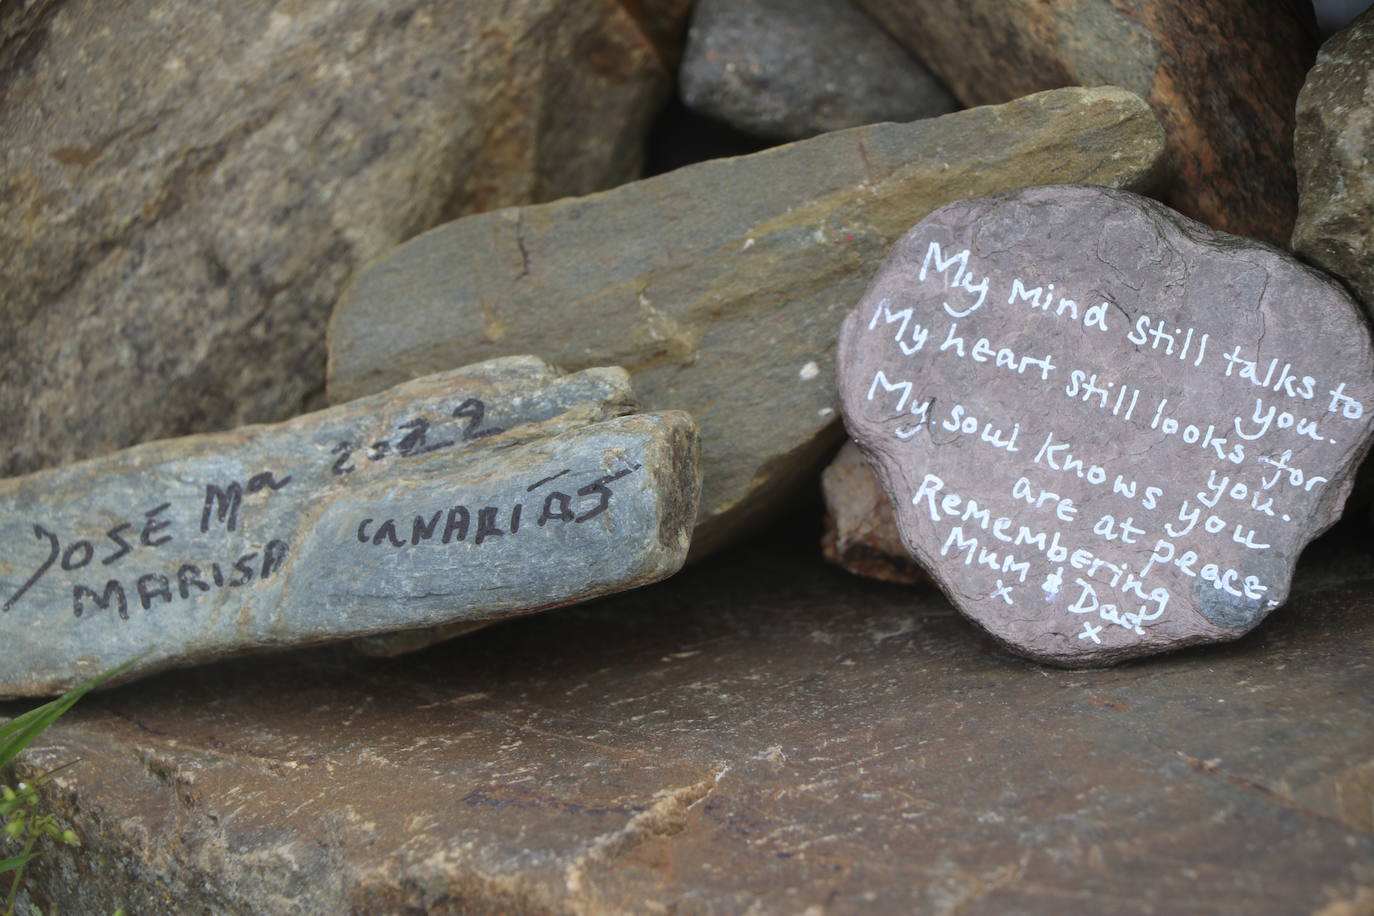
[
  {"x": 762, "y": 731},
  {"x": 497, "y": 489},
  {"x": 1106, "y": 430},
  {"x": 720, "y": 286}
]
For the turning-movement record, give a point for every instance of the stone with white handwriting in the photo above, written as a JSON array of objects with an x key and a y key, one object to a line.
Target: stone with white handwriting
[
  {"x": 476, "y": 494},
  {"x": 1106, "y": 429}
]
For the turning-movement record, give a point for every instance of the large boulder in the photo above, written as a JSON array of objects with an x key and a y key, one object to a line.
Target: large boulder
[
  {"x": 1335, "y": 148},
  {"x": 186, "y": 187},
  {"x": 721, "y": 286},
  {"x": 1222, "y": 76}
]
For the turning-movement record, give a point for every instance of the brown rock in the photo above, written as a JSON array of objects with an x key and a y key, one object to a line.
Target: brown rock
[
  {"x": 860, "y": 527},
  {"x": 720, "y": 286},
  {"x": 185, "y": 188},
  {"x": 1107, "y": 430},
  {"x": 1335, "y": 148},
  {"x": 1222, "y": 76},
  {"x": 665, "y": 22},
  {"x": 760, "y": 732}
]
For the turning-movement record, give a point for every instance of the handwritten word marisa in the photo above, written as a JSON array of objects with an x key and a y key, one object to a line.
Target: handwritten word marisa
[{"x": 190, "y": 580}]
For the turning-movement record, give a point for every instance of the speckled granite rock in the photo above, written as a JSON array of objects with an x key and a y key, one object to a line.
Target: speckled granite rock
[
  {"x": 185, "y": 188},
  {"x": 759, "y": 732},
  {"x": 1222, "y": 76},
  {"x": 1335, "y": 149},
  {"x": 1107, "y": 431},
  {"x": 860, "y": 528},
  {"x": 795, "y": 68},
  {"x": 471, "y": 495},
  {"x": 720, "y": 286}
]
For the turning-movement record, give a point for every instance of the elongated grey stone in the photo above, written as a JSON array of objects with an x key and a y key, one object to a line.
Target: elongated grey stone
[
  {"x": 494, "y": 490},
  {"x": 720, "y": 286},
  {"x": 1106, "y": 430}
]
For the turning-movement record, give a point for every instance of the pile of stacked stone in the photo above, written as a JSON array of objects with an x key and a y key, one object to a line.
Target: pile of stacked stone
[{"x": 363, "y": 323}]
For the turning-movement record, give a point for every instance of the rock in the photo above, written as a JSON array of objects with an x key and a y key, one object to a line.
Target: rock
[
  {"x": 1335, "y": 146},
  {"x": 794, "y": 68},
  {"x": 665, "y": 22},
  {"x": 760, "y": 731},
  {"x": 472, "y": 495},
  {"x": 1222, "y": 76},
  {"x": 1106, "y": 430},
  {"x": 860, "y": 527},
  {"x": 720, "y": 286},
  {"x": 185, "y": 189}
]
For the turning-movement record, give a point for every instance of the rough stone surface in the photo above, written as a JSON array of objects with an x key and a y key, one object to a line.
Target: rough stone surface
[
  {"x": 1107, "y": 430},
  {"x": 795, "y": 68},
  {"x": 860, "y": 528},
  {"x": 185, "y": 188},
  {"x": 471, "y": 495},
  {"x": 759, "y": 732},
  {"x": 1222, "y": 75},
  {"x": 1335, "y": 148},
  {"x": 720, "y": 286},
  {"x": 665, "y": 22}
]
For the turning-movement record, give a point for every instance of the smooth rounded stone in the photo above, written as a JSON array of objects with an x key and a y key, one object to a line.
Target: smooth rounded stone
[
  {"x": 795, "y": 68},
  {"x": 484, "y": 492},
  {"x": 1107, "y": 430},
  {"x": 185, "y": 188},
  {"x": 860, "y": 527},
  {"x": 1222, "y": 75},
  {"x": 1335, "y": 146},
  {"x": 720, "y": 286}
]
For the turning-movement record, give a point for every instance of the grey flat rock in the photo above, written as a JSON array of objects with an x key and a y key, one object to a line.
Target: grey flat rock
[
  {"x": 794, "y": 68},
  {"x": 1106, "y": 430},
  {"x": 480, "y": 493},
  {"x": 721, "y": 286}
]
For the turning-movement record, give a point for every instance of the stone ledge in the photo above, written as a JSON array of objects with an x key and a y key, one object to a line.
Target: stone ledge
[{"x": 760, "y": 730}]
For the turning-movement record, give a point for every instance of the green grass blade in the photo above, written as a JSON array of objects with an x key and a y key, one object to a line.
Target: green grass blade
[
  {"x": 16, "y": 862},
  {"x": 20, "y": 732}
]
